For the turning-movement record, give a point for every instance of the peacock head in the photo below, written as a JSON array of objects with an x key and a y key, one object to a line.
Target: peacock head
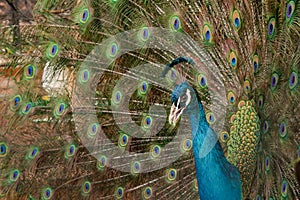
[{"x": 184, "y": 100}]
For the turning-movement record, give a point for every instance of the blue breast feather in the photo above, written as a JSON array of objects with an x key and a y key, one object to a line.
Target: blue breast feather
[{"x": 217, "y": 178}]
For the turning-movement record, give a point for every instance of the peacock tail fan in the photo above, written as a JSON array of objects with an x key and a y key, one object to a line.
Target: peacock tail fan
[{"x": 85, "y": 94}]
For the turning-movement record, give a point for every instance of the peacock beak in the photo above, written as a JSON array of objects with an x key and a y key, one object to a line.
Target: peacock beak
[{"x": 175, "y": 113}]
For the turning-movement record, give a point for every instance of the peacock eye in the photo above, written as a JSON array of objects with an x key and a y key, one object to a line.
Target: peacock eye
[{"x": 184, "y": 98}]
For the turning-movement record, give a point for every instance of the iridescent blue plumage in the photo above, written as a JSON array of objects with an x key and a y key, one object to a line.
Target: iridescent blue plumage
[
  {"x": 84, "y": 104},
  {"x": 217, "y": 178}
]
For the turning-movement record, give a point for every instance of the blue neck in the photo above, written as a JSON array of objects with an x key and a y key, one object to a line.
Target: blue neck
[
  {"x": 217, "y": 179},
  {"x": 198, "y": 116}
]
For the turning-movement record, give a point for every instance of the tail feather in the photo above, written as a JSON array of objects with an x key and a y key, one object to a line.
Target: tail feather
[{"x": 253, "y": 44}]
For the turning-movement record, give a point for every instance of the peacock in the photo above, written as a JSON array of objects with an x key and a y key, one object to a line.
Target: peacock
[{"x": 140, "y": 99}]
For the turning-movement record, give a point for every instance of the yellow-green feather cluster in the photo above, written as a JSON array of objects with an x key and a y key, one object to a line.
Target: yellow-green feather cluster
[{"x": 243, "y": 139}]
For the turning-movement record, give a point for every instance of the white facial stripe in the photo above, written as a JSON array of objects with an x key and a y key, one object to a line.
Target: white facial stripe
[{"x": 188, "y": 94}]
